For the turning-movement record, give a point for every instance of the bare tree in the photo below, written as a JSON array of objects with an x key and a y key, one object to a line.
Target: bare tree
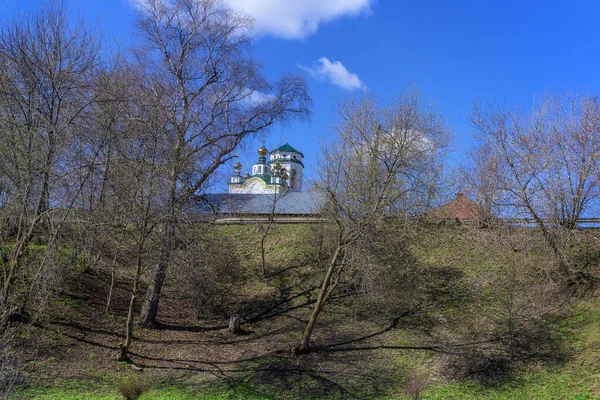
[
  {"x": 540, "y": 166},
  {"x": 267, "y": 228},
  {"x": 203, "y": 81},
  {"x": 121, "y": 164},
  {"x": 138, "y": 207},
  {"x": 377, "y": 166},
  {"x": 46, "y": 62},
  {"x": 572, "y": 124}
]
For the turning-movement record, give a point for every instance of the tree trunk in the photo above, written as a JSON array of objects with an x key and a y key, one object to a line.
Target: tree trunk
[
  {"x": 124, "y": 347},
  {"x": 112, "y": 285},
  {"x": 323, "y": 295},
  {"x": 44, "y": 200},
  {"x": 123, "y": 355},
  {"x": 167, "y": 238},
  {"x": 234, "y": 324},
  {"x": 550, "y": 238},
  {"x": 264, "y": 237},
  {"x": 150, "y": 310}
]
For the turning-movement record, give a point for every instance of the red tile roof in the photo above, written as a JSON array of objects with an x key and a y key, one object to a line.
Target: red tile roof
[{"x": 461, "y": 207}]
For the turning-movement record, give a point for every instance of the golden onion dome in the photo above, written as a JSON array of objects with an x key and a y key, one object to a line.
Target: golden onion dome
[
  {"x": 246, "y": 175},
  {"x": 277, "y": 166},
  {"x": 237, "y": 166},
  {"x": 263, "y": 151}
]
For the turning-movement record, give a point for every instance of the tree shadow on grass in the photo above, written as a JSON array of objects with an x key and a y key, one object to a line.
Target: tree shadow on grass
[
  {"x": 318, "y": 375},
  {"x": 260, "y": 310},
  {"x": 278, "y": 374}
]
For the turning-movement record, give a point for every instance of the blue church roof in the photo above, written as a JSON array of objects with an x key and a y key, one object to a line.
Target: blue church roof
[{"x": 290, "y": 203}]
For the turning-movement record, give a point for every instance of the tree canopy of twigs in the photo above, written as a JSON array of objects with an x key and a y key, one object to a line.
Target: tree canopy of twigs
[
  {"x": 197, "y": 59},
  {"x": 381, "y": 162},
  {"x": 540, "y": 165}
]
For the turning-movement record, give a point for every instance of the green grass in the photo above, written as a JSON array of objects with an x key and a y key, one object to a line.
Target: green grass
[
  {"x": 80, "y": 390},
  {"x": 568, "y": 383},
  {"x": 577, "y": 380},
  {"x": 564, "y": 383}
]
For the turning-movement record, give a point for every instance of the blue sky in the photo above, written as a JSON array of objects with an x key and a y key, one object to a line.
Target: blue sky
[{"x": 454, "y": 51}]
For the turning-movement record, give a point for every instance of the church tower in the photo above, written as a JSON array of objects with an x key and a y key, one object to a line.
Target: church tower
[
  {"x": 261, "y": 168},
  {"x": 291, "y": 163},
  {"x": 281, "y": 173}
]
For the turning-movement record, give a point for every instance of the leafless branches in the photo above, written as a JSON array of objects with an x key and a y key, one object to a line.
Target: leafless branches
[
  {"x": 380, "y": 165},
  {"x": 46, "y": 64},
  {"x": 541, "y": 165},
  {"x": 201, "y": 77}
]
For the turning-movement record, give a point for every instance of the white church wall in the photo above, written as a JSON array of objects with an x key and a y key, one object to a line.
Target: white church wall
[{"x": 254, "y": 186}]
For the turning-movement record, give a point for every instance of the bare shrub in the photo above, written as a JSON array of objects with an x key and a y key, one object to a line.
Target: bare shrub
[
  {"x": 209, "y": 269},
  {"x": 415, "y": 385},
  {"x": 582, "y": 247},
  {"x": 474, "y": 363},
  {"x": 384, "y": 273},
  {"x": 492, "y": 349},
  {"x": 133, "y": 387},
  {"x": 509, "y": 319},
  {"x": 9, "y": 372},
  {"x": 470, "y": 350}
]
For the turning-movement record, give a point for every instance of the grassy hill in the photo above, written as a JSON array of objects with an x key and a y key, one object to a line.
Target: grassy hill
[{"x": 473, "y": 314}]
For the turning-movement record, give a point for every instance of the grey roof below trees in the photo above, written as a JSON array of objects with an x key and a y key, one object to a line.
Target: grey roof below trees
[{"x": 290, "y": 203}]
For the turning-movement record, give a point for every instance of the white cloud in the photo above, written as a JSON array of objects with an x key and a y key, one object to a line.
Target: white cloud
[
  {"x": 335, "y": 73},
  {"x": 296, "y": 19},
  {"x": 257, "y": 97}
]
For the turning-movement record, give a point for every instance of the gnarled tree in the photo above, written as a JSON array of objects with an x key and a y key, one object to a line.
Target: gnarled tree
[
  {"x": 380, "y": 164},
  {"x": 197, "y": 56}
]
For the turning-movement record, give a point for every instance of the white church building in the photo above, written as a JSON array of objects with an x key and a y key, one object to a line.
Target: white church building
[
  {"x": 281, "y": 173},
  {"x": 273, "y": 189}
]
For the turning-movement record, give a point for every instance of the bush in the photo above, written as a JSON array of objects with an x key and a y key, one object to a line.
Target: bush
[
  {"x": 210, "y": 270},
  {"x": 9, "y": 372},
  {"x": 133, "y": 387}
]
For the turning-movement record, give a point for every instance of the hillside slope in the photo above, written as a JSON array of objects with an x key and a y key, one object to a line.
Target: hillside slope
[{"x": 483, "y": 317}]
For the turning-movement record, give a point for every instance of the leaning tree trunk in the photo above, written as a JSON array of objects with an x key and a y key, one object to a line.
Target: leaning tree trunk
[
  {"x": 150, "y": 310},
  {"x": 124, "y": 347},
  {"x": 323, "y": 295},
  {"x": 565, "y": 266}
]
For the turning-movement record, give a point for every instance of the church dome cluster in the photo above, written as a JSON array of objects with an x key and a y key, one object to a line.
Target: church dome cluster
[{"x": 282, "y": 172}]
